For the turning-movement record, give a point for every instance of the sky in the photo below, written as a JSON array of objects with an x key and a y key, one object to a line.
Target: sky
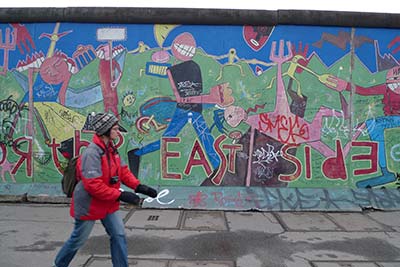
[{"x": 382, "y": 6}]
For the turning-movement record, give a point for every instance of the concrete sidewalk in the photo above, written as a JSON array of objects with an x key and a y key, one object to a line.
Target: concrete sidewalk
[{"x": 32, "y": 234}]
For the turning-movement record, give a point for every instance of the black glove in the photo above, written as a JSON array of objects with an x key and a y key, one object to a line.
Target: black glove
[
  {"x": 129, "y": 197},
  {"x": 146, "y": 190}
]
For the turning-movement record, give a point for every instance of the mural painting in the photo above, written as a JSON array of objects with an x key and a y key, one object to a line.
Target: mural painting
[{"x": 268, "y": 106}]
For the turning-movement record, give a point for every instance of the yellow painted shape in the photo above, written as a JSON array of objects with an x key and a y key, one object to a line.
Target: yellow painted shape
[{"x": 60, "y": 121}]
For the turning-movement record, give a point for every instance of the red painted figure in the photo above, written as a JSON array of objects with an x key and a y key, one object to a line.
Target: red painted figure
[{"x": 107, "y": 78}]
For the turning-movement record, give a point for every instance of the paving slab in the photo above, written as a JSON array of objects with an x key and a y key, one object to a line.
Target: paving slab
[
  {"x": 265, "y": 222},
  {"x": 345, "y": 264},
  {"x": 296, "y": 263},
  {"x": 390, "y": 219},
  {"x": 35, "y": 233},
  {"x": 106, "y": 262},
  {"x": 250, "y": 259},
  {"x": 356, "y": 222},
  {"x": 36, "y": 243},
  {"x": 254, "y": 260},
  {"x": 32, "y": 213},
  {"x": 300, "y": 221},
  {"x": 202, "y": 263},
  {"x": 344, "y": 246},
  {"x": 22, "y": 212},
  {"x": 149, "y": 218},
  {"x": 389, "y": 264},
  {"x": 204, "y": 220}
]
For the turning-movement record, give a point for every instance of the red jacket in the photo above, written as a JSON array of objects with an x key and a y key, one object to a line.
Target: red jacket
[{"x": 94, "y": 196}]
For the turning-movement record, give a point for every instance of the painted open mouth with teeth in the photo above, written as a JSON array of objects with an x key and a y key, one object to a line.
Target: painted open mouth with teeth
[
  {"x": 115, "y": 52},
  {"x": 184, "y": 47},
  {"x": 394, "y": 83},
  {"x": 394, "y": 86},
  {"x": 185, "y": 50}
]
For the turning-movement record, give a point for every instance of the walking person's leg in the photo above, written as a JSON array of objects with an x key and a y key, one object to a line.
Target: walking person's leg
[
  {"x": 78, "y": 237},
  {"x": 116, "y": 230}
]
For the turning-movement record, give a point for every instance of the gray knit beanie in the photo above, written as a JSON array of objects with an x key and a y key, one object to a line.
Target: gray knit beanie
[{"x": 103, "y": 122}]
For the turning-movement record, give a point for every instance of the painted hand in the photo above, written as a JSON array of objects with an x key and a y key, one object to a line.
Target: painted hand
[
  {"x": 333, "y": 82},
  {"x": 222, "y": 93}
]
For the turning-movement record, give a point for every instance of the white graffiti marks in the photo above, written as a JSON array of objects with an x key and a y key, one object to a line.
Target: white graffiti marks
[
  {"x": 160, "y": 195},
  {"x": 338, "y": 127},
  {"x": 263, "y": 174},
  {"x": 395, "y": 152},
  {"x": 266, "y": 155},
  {"x": 188, "y": 88}
]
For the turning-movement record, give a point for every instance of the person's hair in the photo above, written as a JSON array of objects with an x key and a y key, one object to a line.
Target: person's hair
[{"x": 108, "y": 132}]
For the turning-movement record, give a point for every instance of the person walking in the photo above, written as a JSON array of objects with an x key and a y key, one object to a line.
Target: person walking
[{"x": 97, "y": 194}]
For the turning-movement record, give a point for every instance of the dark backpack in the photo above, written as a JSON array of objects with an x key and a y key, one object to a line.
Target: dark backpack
[{"x": 70, "y": 179}]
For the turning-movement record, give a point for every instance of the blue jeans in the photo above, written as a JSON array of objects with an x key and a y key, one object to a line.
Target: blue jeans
[{"x": 115, "y": 229}]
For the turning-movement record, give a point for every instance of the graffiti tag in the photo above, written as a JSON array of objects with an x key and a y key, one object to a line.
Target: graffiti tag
[{"x": 289, "y": 128}]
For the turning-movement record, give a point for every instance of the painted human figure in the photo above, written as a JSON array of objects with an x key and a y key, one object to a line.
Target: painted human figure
[
  {"x": 390, "y": 90},
  {"x": 186, "y": 82},
  {"x": 52, "y": 80},
  {"x": 50, "y": 84},
  {"x": 281, "y": 124},
  {"x": 55, "y": 72},
  {"x": 109, "y": 74}
]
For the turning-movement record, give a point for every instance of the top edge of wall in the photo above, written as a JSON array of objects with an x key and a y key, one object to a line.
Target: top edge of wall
[{"x": 200, "y": 16}]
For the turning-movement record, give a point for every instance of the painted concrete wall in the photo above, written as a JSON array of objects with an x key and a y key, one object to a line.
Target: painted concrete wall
[{"x": 285, "y": 106}]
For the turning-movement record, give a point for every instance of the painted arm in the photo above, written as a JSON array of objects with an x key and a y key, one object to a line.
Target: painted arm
[
  {"x": 340, "y": 85},
  {"x": 281, "y": 99},
  {"x": 378, "y": 89},
  {"x": 63, "y": 91}
]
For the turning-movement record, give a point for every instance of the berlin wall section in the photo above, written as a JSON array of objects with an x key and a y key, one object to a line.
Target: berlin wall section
[{"x": 224, "y": 109}]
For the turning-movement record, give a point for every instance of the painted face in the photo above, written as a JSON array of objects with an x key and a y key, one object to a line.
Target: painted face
[
  {"x": 184, "y": 47},
  {"x": 54, "y": 70},
  {"x": 129, "y": 99},
  {"x": 234, "y": 115},
  {"x": 393, "y": 79}
]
